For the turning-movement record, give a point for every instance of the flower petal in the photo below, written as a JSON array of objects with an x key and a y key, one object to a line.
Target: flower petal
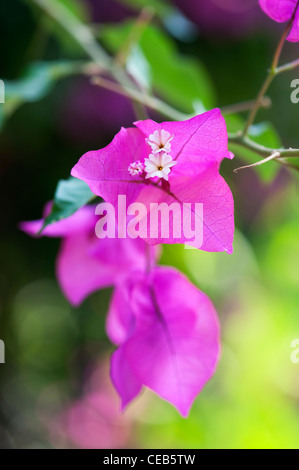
[
  {"x": 81, "y": 221},
  {"x": 106, "y": 170}
]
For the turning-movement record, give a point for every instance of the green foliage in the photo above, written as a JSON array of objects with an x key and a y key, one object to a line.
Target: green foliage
[
  {"x": 162, "y": 8},
  {"x": 70, "y": 195}
]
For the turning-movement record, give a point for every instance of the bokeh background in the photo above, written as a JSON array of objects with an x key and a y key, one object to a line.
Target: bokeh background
[{"x": 55, "y": 390}]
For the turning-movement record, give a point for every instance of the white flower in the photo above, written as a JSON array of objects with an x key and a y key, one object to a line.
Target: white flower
[
  {"x": 158, "y": 165},
  {"x": 136, "y": 168},
  {"x": 160, "y": 141}
]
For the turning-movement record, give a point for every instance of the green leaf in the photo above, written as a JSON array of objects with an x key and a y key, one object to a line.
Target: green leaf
[
  {"x": 234, "y": 123},
  {"x": 70, "y": 195},
  {"x": 182, "y": 82},
  {"x": 35, "y": 83}
]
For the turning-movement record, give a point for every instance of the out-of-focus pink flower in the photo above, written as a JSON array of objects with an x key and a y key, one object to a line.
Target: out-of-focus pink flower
[
  {"x": 81, "y": 116},
  {"x": 168, "y": 333},
  {"x": 282, "y": 11},
  {"x": 93, "y": 421},
  {"x": 222, "y": 17},
  {"x": 191, "y": 166},
  {"x": 86, "y": 263}
]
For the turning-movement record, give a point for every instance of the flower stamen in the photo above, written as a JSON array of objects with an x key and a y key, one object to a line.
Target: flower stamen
[{"x": 158, "y": 165}]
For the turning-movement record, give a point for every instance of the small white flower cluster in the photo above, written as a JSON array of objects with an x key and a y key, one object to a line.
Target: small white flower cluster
[
  {"x": 159, "y": 161},
  {"x": 136, "y": 168}
]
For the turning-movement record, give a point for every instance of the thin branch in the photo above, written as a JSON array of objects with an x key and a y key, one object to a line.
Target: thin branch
[
  {"x": 274, "y": 156},
  {"x": 140, "y": 97},
  {"x": 84, "y": 37},
  {"x": 80, "y": 32}
]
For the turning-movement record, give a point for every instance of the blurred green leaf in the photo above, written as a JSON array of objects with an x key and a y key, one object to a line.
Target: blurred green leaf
[
  {"x": 70, "y": 195},
  {"x": 264, "y": 134},
  {"x": 234, "y": 123},
  {"x": 36, "y": 82},
  {"x": 76, "y": 8},
  {"x": 139, "y": 68},
  {"x": 181, "y": 81},
  {"x": 293, "y": 166}
]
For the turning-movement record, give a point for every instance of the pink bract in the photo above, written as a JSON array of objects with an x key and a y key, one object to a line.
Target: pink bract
[
  {"x": 168, "y": 333},
  {"x": 86, "y": 263},
  {"x": 282, "y": 11},
  {"x": 198, "y": 146}
]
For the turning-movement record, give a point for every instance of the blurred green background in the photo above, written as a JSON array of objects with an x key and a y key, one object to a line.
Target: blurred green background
[{"x": 54, "y": 387}]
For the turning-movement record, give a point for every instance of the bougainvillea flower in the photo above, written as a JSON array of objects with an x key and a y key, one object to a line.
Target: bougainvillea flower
[
  {"x": 86, "y": 263},
  {"x": 159, "y": 165},
  {"x": 197, "y": 147},
  {"x": 282, "y": 11},
  {"x": 168, "y": 334}
]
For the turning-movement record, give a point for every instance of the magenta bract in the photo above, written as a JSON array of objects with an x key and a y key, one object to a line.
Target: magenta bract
[
  {"x": 168, "y": 333},
  {"x": 86, "y": 263},
  {"x": 282, "y": 11},
  {"x": 171, "y": 162}
]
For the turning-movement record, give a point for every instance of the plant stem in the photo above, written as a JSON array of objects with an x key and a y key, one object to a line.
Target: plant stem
[{"x": 270, "y": 76}]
